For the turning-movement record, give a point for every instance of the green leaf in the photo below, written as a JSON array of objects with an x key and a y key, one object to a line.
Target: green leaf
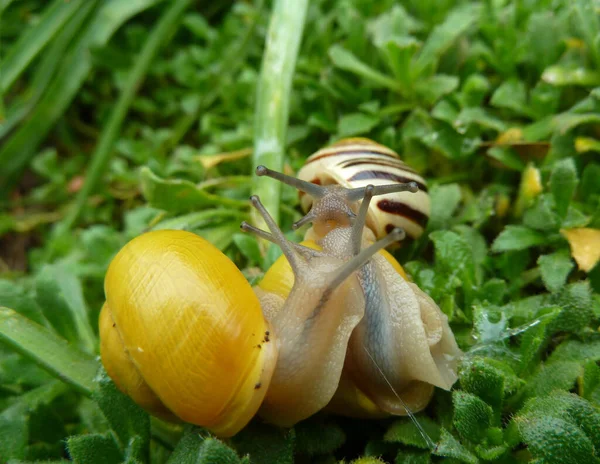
[
  {"x": 129, "y": 421},
  {"x": 563, "y": 182},
  {"x": 484, "y": 380},
  {"x": 193, "y": 448},
  {"x": 443, "y": 36},
  {"x": 563, "y": 76},
  {"x": 512, "y": 95},
  {"x": 449, "y": 446},
  {"x": 248, "y": 245},
  {"x": 435, "y": 87},
  {"x": 12, "y": 295},
  {"x": 555, "y": 269},
  {"x": 266, "y": 444},
  {"x": 356, "y": 124},
  {"x": 517, "y": 238},
  {"x": 575, "y": 350},
  {"x": 409, "y": 457},
  {"x": 60, "y": 295},
  {"x": 404, "y": 431},
  {"x": 177, "y": 195},
  {"x": 553, "y": 376},
  {"x": 94, "y": 449},
  {"x": 552, "y": 429},
  {"x": 15, "y": 421},
  {"x": 590, "y": 385},
  {"x": 48, "y": 350},
  {"x": 576, "y": 303},
  {"x": 347, "y": 61}
]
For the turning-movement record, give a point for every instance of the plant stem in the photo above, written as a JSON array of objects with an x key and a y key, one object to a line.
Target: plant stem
[
  {"x": 104, "y": 150},
  {"x": 273, "y": 98}
]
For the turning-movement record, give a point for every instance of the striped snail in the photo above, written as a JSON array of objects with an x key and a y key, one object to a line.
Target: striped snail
[
  {"x": 184, "y": 335},
  {"x": 358, "y": 162}
]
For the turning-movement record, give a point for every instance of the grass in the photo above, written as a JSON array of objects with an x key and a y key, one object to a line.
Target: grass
[{"x": 120, "y": 117}]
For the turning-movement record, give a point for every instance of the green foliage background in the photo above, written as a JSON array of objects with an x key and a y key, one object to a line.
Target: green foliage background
[{"x": 113, "y": 117}]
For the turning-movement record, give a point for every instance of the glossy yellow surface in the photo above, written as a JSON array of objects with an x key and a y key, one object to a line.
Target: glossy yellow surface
[{"x": 191, "y": 326}]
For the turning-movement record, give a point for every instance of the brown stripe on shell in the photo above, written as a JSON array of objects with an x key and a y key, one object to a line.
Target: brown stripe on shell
[
  {"x": 366, "y": 175},
  {"x": 401, "y": 209},
  {"x": 339, "y": 152},
  {"x": 377, "y": 162}
]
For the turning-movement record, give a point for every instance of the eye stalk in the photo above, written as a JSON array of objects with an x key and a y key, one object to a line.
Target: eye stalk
[{"x": 333, "y": 205}]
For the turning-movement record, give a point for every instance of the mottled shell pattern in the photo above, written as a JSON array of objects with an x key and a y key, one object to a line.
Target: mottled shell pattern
[{"x": 358, "y": 162}]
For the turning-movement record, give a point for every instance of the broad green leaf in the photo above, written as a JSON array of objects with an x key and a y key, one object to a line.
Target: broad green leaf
[
  {"x": 444, "y": 201},
  {"x": 517, "y": 238},
  {"x": 562, "y": 425},
  {"x": 435, "y": 87},
  {"x": 60, "y": 295},
  {"x": 404, "y": 431},
  {"x": 589, "y": 387},
  {"x": 194, "y": 448},
  {"x": 576, "y": 303},
  {"x": 563, "y": 76},
  {"x": 553, "y": 376},
  {"x": 12, "y": 295},
  {"x": 356, "y": 124},
  {"x": 556, "y": 440},
  {"x": 48, "y": 350},
  {"x": 127, "y": 419},
  {"x": 512, "y": 95},
  {"x": 347, "y": 61},
  {"x": 176, "y": 195},
  {"x": 449, "y": 446},
  {"x": 563, "y": 183},
  {"x": 94, "y": 449},
  {"x": 443, "y": 36},
  {"x": 575, "y": 350},
  {"x": 14, "y": 420},
  {"x": 411, "y": 457},
  {"x": 484, "y": 380},
  {"x": 555, "y": 269}
]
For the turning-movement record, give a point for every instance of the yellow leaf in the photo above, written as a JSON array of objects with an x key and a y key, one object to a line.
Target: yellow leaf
[
  {"x": 585, "y": 246},
  {"x": 209, "y": 161}
]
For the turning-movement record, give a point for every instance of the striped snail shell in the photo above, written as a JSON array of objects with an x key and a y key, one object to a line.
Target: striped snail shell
[{"x": 358, "y": 162}]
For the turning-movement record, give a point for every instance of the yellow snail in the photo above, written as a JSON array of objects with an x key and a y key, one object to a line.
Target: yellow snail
[
  {"x": 185, "y": 336},
  {"x": 358, "y": 162}
]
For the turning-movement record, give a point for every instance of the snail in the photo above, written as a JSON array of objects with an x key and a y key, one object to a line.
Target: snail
[
  {"x": 184, "y": 334},
  {"x": 403, "y": 346},
  {"x": 358, "y": 162}
]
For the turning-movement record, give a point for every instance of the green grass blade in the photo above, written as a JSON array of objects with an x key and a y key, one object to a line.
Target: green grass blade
[
  {"x": 34, "y": 40},
  {"x": 51, "y": 352},
  {"x": 20, "y": 148},
  {"x": 163, "y": 30},
  {"x": 273, "y": 98},
  {"x": 45, "y": 70}
]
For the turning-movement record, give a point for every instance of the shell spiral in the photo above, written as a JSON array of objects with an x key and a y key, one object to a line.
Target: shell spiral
[{"x": 358, "y": 162}]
